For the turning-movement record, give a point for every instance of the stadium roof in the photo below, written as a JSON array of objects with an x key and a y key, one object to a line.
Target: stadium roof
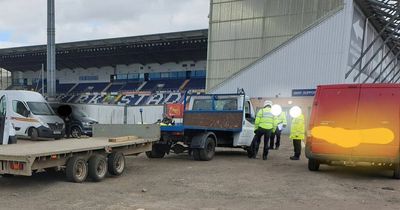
[{"x": 157, "y": 48}]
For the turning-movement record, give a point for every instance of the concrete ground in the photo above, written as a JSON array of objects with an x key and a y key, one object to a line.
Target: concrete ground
[{"x": 229, "y": 181}]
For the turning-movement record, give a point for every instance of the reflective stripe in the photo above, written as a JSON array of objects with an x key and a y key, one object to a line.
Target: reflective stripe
[{"x": 265, "y": 119}]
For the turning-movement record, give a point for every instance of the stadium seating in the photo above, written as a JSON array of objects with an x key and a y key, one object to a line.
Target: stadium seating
[
  {"x": 164, "y": 85},
  {"x": 131, "y": 86},
  {"x": 64, "y": 88},
  {"x": 89, "y": 87},
  {"x": 196, "y": 84}
]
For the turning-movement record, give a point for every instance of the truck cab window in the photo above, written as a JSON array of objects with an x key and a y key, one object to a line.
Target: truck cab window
[
  {"x": 3, "y": 106},
  {"x": 247, "y": 111},
  {"x": 20, "y": 108}
]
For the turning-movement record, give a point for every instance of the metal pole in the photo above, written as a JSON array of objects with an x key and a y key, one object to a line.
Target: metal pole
[
  {"x": 141, "y": 115},
  {"x": 42, "y": 79},
  {"x": 1, "y": 72},
  {"x": 377, "y": 66},
  {"x": 51, "y": 49},
  {"x": 394, "y": 67},
  {"x": 387, "y": 66}
]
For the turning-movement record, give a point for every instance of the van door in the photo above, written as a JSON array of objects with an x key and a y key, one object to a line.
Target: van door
[
  {"x": 379, "y": 110},
  {"x": 3, "y": 117},
  {"x": 245, "y": 137},
  {"x": 334, "y": 108}
]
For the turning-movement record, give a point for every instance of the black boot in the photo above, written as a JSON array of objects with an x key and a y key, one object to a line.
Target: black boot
[{"x": 294, "y": 158}]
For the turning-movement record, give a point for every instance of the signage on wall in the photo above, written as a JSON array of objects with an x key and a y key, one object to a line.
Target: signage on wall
[{"x": 303, "y": 92}]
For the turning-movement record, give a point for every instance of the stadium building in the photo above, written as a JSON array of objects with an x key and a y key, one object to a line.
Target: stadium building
[{"x": 140, "y": 70}]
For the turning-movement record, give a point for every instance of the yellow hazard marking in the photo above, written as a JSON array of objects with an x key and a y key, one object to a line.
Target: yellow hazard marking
[{"x": 353, "y": 138}]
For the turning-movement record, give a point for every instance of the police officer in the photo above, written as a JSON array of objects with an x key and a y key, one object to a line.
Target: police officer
[
  {"x": 281, "y": 123},
  {"x": 265, "y": 122},
  {"x": 297, "y": 134}
]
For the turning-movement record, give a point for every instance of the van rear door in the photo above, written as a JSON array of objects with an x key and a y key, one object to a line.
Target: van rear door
[
  {"x": 378, "y": 108},
  {"x": 334, "y": 107}
]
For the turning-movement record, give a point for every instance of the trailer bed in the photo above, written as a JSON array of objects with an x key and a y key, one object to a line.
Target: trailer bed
[{"x": 46, "y": 148}]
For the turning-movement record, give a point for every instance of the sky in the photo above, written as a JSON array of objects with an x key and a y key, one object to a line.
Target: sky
[{"x": 24, "y": 22}]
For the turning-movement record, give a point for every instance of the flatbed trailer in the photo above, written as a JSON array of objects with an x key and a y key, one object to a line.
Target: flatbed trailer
[{"x": 80, "y": 158}]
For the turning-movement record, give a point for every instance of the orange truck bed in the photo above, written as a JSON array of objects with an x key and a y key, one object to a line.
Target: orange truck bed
[{"x": 355, "y": 125}]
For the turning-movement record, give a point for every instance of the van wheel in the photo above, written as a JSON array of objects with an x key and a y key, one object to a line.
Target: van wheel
[
  {"x": 77, "y": 169},
  {"x": 116, "y": 163},
  {"x": 34, "y": 134},
  {"x": 208, "y": 152},
  {"x": 313, "y": 165},
  {"x": 396, "y": 173},
  {"x": 97, "y": 167},
  {"x": 76, "y": 132}
]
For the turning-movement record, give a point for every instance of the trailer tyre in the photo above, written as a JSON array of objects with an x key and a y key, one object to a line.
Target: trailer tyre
[
  {"x": 116, "y": 163},
  {"x": 34, "y": 134},
  {"x": 313, "y": 165},
  {"x": 208, "y": 152},
  {"x": 97, "y": 167},
  {"x": 396, "y": 173},
  {"x": 77, "y": 169}
]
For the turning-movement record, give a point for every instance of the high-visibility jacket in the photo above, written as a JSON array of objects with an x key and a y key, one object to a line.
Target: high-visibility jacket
[
  {"x": 281, "y": 119},
  {"x": 265, "y": 119},
  {"x": 297, "y": 131}
]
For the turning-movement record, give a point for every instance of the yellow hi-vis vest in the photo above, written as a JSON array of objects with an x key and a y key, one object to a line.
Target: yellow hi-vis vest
[
  {"x": 265, "y": 119},
  {"x": 297, "y": 131},
  {"x": 281, "y": 119}
]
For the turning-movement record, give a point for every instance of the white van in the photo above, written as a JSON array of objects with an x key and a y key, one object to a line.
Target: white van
[{"x": 29, "y": 114}]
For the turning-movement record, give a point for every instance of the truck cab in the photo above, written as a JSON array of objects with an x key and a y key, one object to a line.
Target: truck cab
[{"x": 209, "y": 121}]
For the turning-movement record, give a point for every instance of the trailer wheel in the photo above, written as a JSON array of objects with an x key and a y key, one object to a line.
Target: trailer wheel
[
  {"x": 313, "y": 165},
  {"x": 116, "y": 163},
  {"x": 208, "y": 152},
  {"x": 77, "y": 169},
  {"x": 396, "y": 173},
  {"x": 155, "y": 153},
  {"x": 97, "y": 167},
  {"x": 33, "y": 133}
]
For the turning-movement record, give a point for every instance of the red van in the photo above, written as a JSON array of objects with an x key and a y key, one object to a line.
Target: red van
[{"x": 355, "y": 125}]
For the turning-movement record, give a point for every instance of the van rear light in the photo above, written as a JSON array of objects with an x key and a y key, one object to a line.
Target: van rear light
[{"x": 17, "y": 166}]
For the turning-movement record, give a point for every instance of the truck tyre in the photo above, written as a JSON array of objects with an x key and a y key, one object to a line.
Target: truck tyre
[
  {"x": 396, "y": 173},
  {"x": 34, "y": 134},
  {"x": 208, "y": 152},
  {"x": 196, "y": 154},
  {"x": 97, "y": 167},
  {"x": 155, "y": 153},
  {"x": 77, "y": 169},
  {"x": 116, "y": 163},
  {"x": 313, "y": 165}
]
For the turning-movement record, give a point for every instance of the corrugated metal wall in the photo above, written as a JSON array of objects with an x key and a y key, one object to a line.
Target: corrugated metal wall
[
  {"x": 242, "y": 31},
  {"x": 318, "y": 56}
]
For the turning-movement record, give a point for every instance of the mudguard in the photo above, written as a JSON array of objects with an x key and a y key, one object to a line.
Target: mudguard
[{"x": 199, "y": 140}]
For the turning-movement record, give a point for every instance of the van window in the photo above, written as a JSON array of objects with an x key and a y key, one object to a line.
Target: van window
[
  {"x": 40, "y": 108},
  {"x": 20, "y": 108},
  {"x": 3, "y": 106}
]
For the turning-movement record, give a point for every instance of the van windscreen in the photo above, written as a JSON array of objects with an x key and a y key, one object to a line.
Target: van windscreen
[{"x": 40, "y": 108}]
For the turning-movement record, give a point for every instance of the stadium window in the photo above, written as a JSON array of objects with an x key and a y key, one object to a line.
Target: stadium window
[
  {"x": 133, "y": 76},
  {"x": 153, "y": 76},
  {"x": 122, "y": 76},
  {"x": 164, "y": 75},
  {"x": 181, "y": 74},
  {"x": 184, "y": 65},
  {"x": 141, "y": 77},
  {"x": 200, "y": 73},
  {"x": 86, "y": 78},
  {"x": 141, "y": 67},
  {"x": 192, "y": 65},
  {"x": 173, "y": 75}
]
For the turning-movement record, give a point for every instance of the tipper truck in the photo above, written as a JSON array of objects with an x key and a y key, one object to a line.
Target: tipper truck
[
  {"x": 355, "y": 125},
  {"x": 209, "y": 120}
]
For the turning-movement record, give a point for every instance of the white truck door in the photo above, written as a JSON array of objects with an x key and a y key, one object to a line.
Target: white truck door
[
  {"x": 245, "y": 137},
  {"x": 4, "y": 128}
]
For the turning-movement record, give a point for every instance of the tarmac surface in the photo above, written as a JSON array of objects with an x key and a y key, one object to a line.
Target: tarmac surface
[{"x": 229, "y": 181}]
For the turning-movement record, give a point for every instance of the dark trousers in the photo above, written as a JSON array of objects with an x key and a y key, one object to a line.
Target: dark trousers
[
  {"x": 257, "y": 139},
  {"x": 276, "y": 134},
  {"x": 297, "y": 147}
]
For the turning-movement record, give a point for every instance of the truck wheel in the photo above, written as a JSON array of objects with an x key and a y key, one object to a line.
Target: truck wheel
[
  {"x": 77, "y": 169},
  {"x": 34, "y": 134},
  {"x": 116, "y": 163},
  {"x": 155, "y": 153},
  {"x": 97, "y": 167},
  {"x": 76, "y": 132},
  {"x": 208, "y": 152},
  {"x": 396, "y": 173},
  {"x": 196, "y": 154},
  {"x": 313, "y": 165}
]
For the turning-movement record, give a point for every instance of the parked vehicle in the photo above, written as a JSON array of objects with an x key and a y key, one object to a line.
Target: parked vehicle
[
  {"x": 30, "y": 115},
  {"x": 79, "y": 123},
  {"x": 355, "y": 125},
  {"x": 222, "y": 120}
]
